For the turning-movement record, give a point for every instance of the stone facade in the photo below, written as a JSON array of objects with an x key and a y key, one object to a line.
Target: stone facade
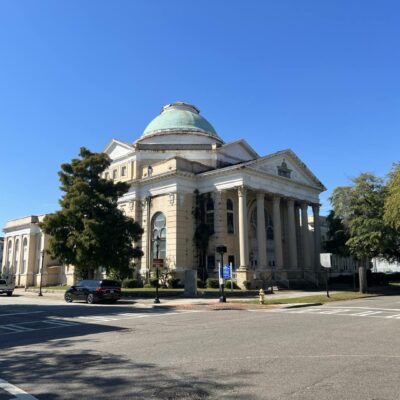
[
  {"x": 25, "y": 257},
  {"x": 264, "y": 200}
]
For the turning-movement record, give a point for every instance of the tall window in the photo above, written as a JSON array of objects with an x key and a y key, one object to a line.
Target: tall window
[
  {"x": 114, "y": 174},
  {"x": 24, "y": 255},
  {"x": 9, "y": 256},
  {"x": 229, "y": 216},
  {"x": 123, "y": 171},
  {"x": 16, "y": 257},
  {"x": 210, "y": 214},
  {"x": 159, "y": 234},
  {"x": 269, "y": 226}
]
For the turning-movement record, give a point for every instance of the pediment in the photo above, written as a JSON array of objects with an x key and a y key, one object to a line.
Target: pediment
[
  {"x": 287, "y": 165},
  {"x": 238, "y": 150},
  {"x": 117, "y": 149}
]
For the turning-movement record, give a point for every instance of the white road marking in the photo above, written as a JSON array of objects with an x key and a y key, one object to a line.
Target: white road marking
[
  {"x": 53, "y": 323},
  {"x": 366, "y": 308},
  {"x": 366, "y": 313},
  {"x": 15, "y": 391},
  {"x": 125, "y": 316},
  {"x": 16, "y": 328},
  {"x": 395, "y": 316},
  {"x": 349, "y": 311},
  {"x": 21, "y": 313}
]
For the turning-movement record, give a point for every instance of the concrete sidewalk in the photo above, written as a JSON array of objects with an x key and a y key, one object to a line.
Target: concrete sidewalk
[{"x": 175, "y": 301}]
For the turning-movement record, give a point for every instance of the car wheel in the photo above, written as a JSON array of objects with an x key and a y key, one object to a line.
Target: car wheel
[
  {"x": 68, "y": 297},
  {"x": 90, "y": 298},
  {"x": 9, "y": 293}
]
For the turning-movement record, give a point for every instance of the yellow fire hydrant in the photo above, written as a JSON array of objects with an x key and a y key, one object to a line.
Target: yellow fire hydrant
[{"x": 261, "y": 295}]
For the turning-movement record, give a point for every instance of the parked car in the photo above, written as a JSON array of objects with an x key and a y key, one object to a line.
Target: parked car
[
  {"x": 93, "y": 291},
  {"x": 6, "y": 287}
]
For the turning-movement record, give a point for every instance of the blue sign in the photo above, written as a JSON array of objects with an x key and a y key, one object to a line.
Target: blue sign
[{"x": 226, "y": 272}]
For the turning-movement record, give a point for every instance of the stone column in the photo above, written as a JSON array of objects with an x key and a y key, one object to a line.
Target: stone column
[
  {"x": 243, "y": 274},
  {"x": 277, "y": 231},
  {"x": 136, "y": 205},
  {"x": 317, "y": 237},
  {"x": 292, "y": 234},
  {"x": 243, "y": 229},
  {"x": 261, "y": 233},
  {"x": 305, "y": 237}
]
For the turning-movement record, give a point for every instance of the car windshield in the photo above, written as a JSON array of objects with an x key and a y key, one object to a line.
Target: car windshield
[{"x": 106, "y": 282}]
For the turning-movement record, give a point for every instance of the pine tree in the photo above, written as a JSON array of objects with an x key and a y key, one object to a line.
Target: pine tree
[{"x": 90, "y": 231}]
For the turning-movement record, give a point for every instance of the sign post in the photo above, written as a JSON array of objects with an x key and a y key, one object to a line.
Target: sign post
[
  {"x": 221, "y": 250},
  {"x": 157, "y": 263},
  {"x": 326, "y": 262}
]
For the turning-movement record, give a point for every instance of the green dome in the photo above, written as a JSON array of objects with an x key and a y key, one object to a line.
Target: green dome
[{"x": 180, "y": 117}]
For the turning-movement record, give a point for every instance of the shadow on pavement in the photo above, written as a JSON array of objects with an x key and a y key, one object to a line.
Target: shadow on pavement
[
  {"x": 65, "y": 373},
  {"x": 25, "y": 324}
]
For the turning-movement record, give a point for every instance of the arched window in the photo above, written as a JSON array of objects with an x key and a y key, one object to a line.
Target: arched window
[
  {"x": 159, "y": 235},
  {"x": 210, "y": 214},
  {"x": 230, "y": 222},
  {"x": 253, "y": 242},
  {"x": 269, "y": 226},
  {"x": 24, "y": 255},
  {"x": 16, "y": 257}
]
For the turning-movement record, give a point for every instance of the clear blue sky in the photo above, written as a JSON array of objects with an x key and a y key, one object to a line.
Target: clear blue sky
[{"x": 319, "y": 77}]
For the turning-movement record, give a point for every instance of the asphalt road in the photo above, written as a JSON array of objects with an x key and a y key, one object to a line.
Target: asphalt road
[{"x": 53, "y": 350}]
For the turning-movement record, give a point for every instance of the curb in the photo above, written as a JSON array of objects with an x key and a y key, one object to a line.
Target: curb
[{"x": 300, "y": 305}]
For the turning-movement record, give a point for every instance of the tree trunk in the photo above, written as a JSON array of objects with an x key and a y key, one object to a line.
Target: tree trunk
[{"x": 362, "y": 274}]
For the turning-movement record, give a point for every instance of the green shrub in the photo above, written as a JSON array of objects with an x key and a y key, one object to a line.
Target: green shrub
[
  {"x": 130, "y": 283},
  {"x": 247, "y": 285},
  {"x": 200, "y": 284},
  {"x": 147, "y": 286},
  {"x": 153, "y": 282},
  {"x": 228, "y": 284},
  {"x": 174, "y": 283},
  {"x": 212, "y": 283}
]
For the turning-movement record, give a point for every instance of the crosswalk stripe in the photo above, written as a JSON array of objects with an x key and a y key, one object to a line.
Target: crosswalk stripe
[{"x": 16, "y": 328}]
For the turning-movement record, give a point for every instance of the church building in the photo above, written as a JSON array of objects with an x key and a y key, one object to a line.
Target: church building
[{"x": 256, "y": 206}]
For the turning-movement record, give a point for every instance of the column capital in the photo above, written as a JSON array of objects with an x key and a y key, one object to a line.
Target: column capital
[
  {"x": 260, "y": 195},
  {"x": 290, "y": 202},
  {"x": 316, "y": 207},
  {"x": 304, "y": 205},
  {"x": 276, "y": 198},
  {"x": 242, "y": 191}
]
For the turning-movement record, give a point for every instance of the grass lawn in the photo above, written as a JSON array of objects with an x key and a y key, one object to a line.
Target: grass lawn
[{"x": 313, "y": 298}]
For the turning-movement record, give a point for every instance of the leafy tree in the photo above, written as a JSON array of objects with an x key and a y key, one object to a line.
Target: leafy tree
[
  {"x": 365, "y": 217},
  {"x": 338, "y": 235},
  {"x": 90, "y": 231},
  {"x": 392, "y": 201},
  {"x": 202, "y": 232}
]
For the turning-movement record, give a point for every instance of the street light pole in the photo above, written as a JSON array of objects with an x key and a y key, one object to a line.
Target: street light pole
[
  {"x": 157, "y": 240},
  {"x": 41, "y": 274},
  {"x": 222, "y": 298}
]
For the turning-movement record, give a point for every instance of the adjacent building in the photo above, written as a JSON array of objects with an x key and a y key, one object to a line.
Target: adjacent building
[
  {"x": 25, "y": 258},
  {"x": 256, "y": 206}
]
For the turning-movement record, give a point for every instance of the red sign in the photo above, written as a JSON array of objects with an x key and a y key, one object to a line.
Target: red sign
[{"x": 158, "y": 262}]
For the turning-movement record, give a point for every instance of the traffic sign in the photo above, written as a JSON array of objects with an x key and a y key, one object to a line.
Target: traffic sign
[{"x": 226, "y": 272}]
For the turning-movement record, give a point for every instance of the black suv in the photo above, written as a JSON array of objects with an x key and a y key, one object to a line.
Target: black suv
[{"x": 93, "y": 290}]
